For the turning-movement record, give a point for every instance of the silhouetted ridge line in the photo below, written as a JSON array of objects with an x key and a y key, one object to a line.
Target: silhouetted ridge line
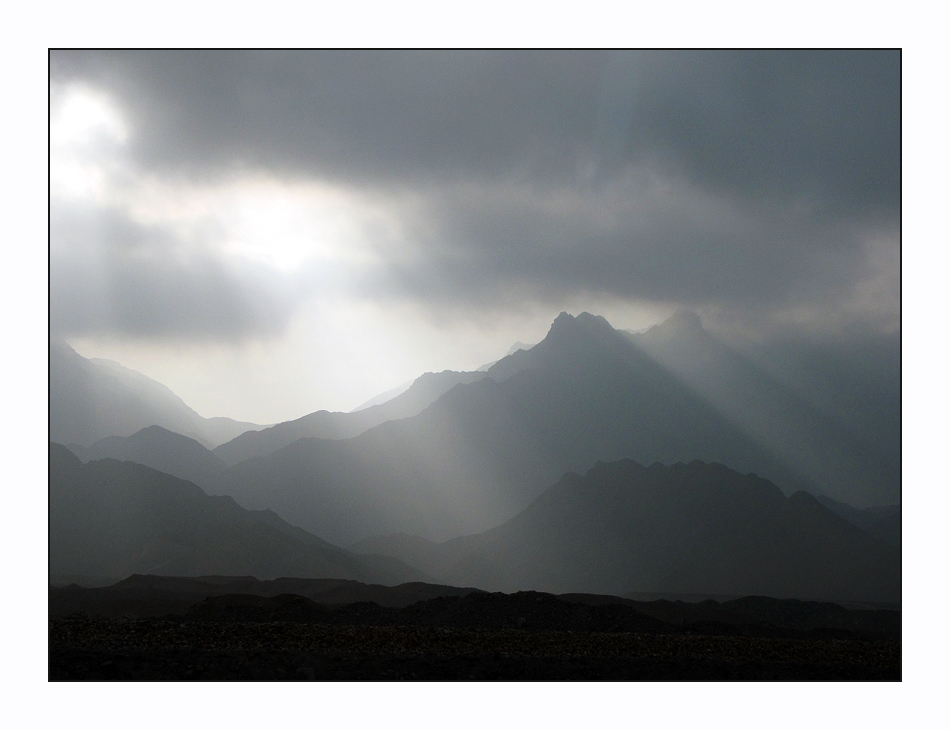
[
  {"x": 684, "y": 528},
  {"x": 482, "y": 451},
  {"x": 113, "y": 518},
  {"x": 827, "y": 452},
  {"x": 222, "y": 599},
  {"x": 91, "y": 399},
  {"x": 332, "y": 425},
  {"x": 160, "y": 449}
]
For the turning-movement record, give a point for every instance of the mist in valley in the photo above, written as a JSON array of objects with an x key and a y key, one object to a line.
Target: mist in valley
[{"x": 583, "y": 323}]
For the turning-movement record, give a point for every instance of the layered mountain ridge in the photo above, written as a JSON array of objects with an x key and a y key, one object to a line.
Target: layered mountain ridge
[
  {"x": 92, "y": 399},
  {"x": 426, "y": 389},
  {"x": 160, "y": 449},
  {"x": 484, "y": 450},
  {"x": 824, "y": 450},
  {"x": 112, "y": 519},
  {"x": 692, "y": 528},
  {"x": 457, "y": 472}
]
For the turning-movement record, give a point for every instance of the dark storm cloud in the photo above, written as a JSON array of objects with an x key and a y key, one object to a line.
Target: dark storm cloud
[
  {"x": 685, "y": 249},
  {"x": 382, "y": 115},
  {"x": 110, "y": 275},
  {"x": 790, "y": 123},
  {"x": 824, "y": 125},
  {"x": 775, "y": 163}
]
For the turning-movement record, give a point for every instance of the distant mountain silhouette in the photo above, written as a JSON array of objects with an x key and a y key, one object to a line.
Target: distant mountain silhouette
[
  {"x": 883, "y": 522},
  {"x": 400, "y": 402},
  {"x": 511, "y": 351},
  {"x": 160, "y": 449},
  {"x": 159, "y": 595},
  {"x": 687, "y": 528},
  {"x": 388, "y": 395},
  {"x": 330, "y": 602},
  {"x": 823, "y": 449},
  {"x": 335, "y": 425},
  {"x": 483, "y": 451},
  {"x": 851, "y": 377},
  {"x": 92, "y": 399},
  {"x": 115, "y": 518}
]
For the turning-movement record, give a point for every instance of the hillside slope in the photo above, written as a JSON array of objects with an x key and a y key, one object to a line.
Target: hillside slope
[
  {"x": 113, "y": 519},
  {"x": 692, "y": 528},
  {"x": 159, "y": 449},
  {"x": 824, "y": 448},
  {"x": 483, "y": 451},
  {"x": 335, "y": 425},
  {"x": 91, "y": 399}
]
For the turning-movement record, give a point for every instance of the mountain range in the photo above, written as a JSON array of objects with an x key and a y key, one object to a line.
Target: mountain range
[
  {"x": 452, "y": 477},
  {"x": 426, "y": 389},
  {"x": 159, "y": 449},
  {"x": 482, "y": 451},
  {"x": 623, "y": 528},
  {"x": 692, "y": 528},
  {"x": 828, "y": 451},
  {"x": 112, "y": 519},
  {"x": 91, "y": 399},
  {"x": 882, "y": 521}
]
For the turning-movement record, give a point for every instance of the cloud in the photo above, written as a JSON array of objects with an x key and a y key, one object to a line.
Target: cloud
[
  {"x": 111, "y": 275},
  {"x": 745, "y": 181},
  {"x": 823, "y": 126},
  {"x": 789, "y": 123},
  {"x": 641, "y": 240}
]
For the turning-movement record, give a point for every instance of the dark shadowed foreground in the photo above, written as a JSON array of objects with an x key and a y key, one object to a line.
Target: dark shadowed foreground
[{"x": 459, "y": 634}]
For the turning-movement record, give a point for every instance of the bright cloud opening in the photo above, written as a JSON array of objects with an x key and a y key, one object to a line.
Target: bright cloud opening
[
  {"x": 86, "y": 130},
  {"x": 84, "y": 116}
]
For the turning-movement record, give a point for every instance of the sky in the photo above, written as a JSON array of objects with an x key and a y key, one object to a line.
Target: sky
[{"x": 270, "y": 233}]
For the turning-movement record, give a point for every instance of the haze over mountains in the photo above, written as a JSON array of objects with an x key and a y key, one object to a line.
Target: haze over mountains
[
  {"x": 484, "y": 450},
  {"x": 159, "y": 449},
  {"x": 454, "y": 477},
  {"x": 111, "y": 519},
  {"x": 335, "y": 425},
  {"x": 687, "y": 528},
  {"x": 92, "y": 399},
  {"x": 829, "y": 451}
]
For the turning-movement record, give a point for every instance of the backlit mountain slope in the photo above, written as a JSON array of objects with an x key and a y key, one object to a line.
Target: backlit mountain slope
[
  {"x": 334, "y": 425},
  {"x": 687, "y": 528},
  {"x": 112, "y": 519},
  {"x": 484, "y": 451},
  {"x": 92, "y": 399}
]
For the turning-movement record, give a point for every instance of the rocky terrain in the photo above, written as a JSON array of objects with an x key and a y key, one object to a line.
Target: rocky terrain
[{"x": 478, "y": 636}]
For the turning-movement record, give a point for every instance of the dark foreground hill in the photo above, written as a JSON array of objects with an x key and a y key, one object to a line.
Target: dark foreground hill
[
  {"x": 113, "y": 518},
  {"x": 349, "y": 602},
  {"x": 143, "y": 596},
  {"x": 460, "y": 634},
  {"x": 687, "y": 528}
]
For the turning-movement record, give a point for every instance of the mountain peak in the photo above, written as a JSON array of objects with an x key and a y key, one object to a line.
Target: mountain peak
[
  {"x": 569, "y": 340},
  {"x": 682, "y": 323},
  {"x": 684, "y": 320},
  {"x": 585, "y": 321}
]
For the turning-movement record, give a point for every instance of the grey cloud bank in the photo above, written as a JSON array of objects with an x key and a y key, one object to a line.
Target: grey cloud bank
[
  {"x": 783, "y": 124},
  {"x": 110, "y": 274},
  {"x": 761, "y": 189},
  {"x": 724, "y": 179}
]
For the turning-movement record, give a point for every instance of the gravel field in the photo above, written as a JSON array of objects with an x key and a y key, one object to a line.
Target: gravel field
[{"x": 161, "y": 649}]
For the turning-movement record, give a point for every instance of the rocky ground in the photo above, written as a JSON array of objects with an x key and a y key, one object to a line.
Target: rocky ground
[{"x": 525, "y": 636}]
